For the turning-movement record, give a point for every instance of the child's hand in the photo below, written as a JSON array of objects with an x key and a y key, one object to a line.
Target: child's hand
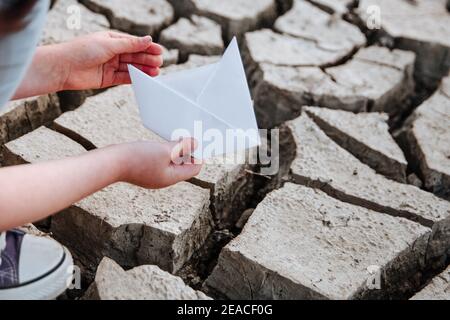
[
  {"x": 51, "y": 186},
  {"x": 100, "y": 60},
  {"x": 156, "y": 165},
  {"x": 95, "y": 61}
]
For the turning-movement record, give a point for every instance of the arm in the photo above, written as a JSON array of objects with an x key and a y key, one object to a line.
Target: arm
[
  {"x": 34, "y": 191},
  {"x": 94, "y": 61},
  {"x": 45, "y": 74}
]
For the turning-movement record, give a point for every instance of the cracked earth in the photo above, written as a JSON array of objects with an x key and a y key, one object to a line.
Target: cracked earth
[{"x": 364, "y": 179}]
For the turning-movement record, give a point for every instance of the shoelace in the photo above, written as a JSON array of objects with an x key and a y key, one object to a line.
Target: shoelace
[{"x": 2, "y": 244}]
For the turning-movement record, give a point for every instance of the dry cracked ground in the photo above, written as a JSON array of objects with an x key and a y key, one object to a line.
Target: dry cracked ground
[{"x": 360, "y": 206}]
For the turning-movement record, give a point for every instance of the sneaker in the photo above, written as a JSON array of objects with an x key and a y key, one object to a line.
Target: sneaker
[{"x": 33, "y": 267}]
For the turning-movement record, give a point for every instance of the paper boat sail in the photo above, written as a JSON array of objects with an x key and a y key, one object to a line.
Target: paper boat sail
[{"x": 211, "y": 103}]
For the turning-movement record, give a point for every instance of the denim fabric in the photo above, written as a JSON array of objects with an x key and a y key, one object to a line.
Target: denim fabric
[
  {"x": 17, "y": 49},
  {"x": 10, "y": 256}
]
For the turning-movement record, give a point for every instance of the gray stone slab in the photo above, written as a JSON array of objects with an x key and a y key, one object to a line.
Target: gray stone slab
[
  {"x": 21, "y": 116},
  {"x": 147, "y": 282},
  {"x": 235, "y": 16},
  {"x": 193, "y": 61},
  {"x": 290, "y": 50},
  {"x": 194, "y": 35},
  {"x": 39, "y": 145},
  {"x": 136, "y": 226},
  {"x": 426, "y": 136},
  {"x": 140, "y": 17},
  {"x": 300, "y": 243},
  {"x": 321, "y": 163},
  {"x": 366, "y": 136},
  {"x": 437, "y": 289},
  {"x": 420, "y": 26},
  {"x": 329, "y": 32},
  {"x": 308, "y": 37},
  {"x": 375, "y": 79}
]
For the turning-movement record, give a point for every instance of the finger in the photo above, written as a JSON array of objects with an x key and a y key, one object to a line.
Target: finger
[
  {"x": 142, "y": 58},
  {"x": 184, "y": 172},
  {"x": 151, "y": 71},
  {"x": 181, "y": 151},
  {"x": 155, "y": 49},
  {"x": 124, "y": 44},
  {"x": 184, "y": 146},
  {"x": 121, "y": 78},
  {"x": 118, "y": 35}
]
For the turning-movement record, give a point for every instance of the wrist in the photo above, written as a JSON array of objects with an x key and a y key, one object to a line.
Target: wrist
[
  {"x": 47, "y": 73},
  {"x": 55, "y": 58},
  {"x": 62, "y": 53},
  {"x": 120, "y": 162}
]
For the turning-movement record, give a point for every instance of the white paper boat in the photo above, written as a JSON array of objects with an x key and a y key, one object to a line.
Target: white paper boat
[{"x": 211, "y": 103}]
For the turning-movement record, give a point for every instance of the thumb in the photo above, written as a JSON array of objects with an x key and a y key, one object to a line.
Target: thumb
[
  {"x": 184, "y": 172},
  {"x": 182, "y": 151},
  {"x": 183, "y": 166},
  {"x": 130, "y": 44}
]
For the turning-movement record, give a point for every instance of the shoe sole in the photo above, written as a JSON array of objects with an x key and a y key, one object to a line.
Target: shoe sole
[{"x": 48, "y": 287}]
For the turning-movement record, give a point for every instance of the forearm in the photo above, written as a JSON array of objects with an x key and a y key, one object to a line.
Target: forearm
[
  {"x": 34, "y": 191},
  {"x": 46, "y": 73}
]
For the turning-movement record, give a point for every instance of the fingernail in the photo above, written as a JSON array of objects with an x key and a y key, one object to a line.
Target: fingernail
[{"x": 147, "y": 39}]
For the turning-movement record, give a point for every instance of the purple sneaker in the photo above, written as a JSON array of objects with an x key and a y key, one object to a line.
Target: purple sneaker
[{"x": 32, "y": 267}]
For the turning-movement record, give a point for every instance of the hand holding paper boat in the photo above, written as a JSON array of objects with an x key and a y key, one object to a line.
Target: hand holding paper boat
[{"x": 211, "y": 103}]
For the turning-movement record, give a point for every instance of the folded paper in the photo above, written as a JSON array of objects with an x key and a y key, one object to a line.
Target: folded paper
[{"x": 211, "y": 103}]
